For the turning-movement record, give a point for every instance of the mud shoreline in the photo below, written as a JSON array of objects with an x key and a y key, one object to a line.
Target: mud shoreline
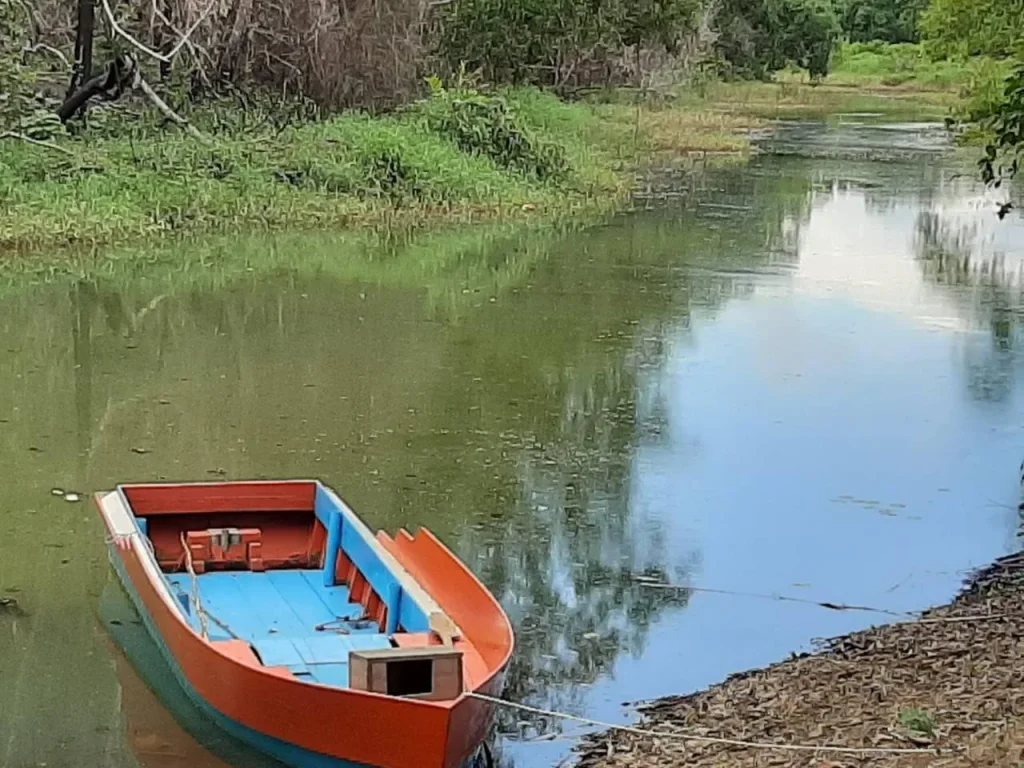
[{"x": 950, "y": 684}]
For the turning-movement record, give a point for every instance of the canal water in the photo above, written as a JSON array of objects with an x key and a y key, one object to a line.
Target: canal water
[{"x": 802, "y": 376}]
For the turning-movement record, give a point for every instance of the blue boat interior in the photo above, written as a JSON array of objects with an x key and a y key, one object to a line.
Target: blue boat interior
[
  {"x": 288, "y": 616},
  {"x": 300, "y": 618}
]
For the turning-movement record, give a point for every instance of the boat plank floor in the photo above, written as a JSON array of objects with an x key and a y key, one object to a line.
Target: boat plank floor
[{"x": 278, "y": 612}]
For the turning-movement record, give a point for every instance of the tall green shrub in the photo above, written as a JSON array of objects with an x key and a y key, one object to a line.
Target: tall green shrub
[
  {"x": 485, "y": 124},
  {"x": 994, "y": 28},
  {"x": 960, "y": 28}
]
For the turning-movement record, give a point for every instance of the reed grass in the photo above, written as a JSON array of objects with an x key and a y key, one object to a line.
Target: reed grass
[{"x": 790, "y": 97}]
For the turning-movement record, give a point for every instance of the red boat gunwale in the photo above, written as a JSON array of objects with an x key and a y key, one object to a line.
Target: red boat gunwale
[{"x": 358, "y": 726}]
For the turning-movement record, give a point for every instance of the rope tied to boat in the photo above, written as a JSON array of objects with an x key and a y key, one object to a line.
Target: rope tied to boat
[
  {"x": 703, "y": 739},
  {"x": 197, "y": 600}
]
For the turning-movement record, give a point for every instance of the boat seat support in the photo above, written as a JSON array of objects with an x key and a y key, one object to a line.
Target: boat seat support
[
  {"x": 220, "y": 548},
  {"x": 333, "y": 548}
]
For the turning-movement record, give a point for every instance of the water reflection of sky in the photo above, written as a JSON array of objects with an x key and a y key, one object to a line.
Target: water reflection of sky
[{"x": 847, "y": 429}]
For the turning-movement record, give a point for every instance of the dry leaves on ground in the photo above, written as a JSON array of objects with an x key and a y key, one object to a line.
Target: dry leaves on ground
[{"x": 952, "y": 682}]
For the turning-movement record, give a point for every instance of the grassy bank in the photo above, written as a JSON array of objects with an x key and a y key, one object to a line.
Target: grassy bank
[
  {"x": 896, "y": 80},
  {"x": 908, "y": 67},
  {"x": 459, "y": 156},
  {"x": 948, "y": 684}
]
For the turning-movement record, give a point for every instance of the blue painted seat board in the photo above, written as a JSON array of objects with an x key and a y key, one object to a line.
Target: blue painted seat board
[
  {"x": 278, "y": 613},
  {"x": 356, "y": 541},
  {"x": 322, "y": 658},
  {"x": 336, "y": 598}
]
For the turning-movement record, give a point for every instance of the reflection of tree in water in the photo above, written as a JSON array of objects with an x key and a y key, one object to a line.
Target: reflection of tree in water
[
  {"x": 961, "y": 253},
  {"x": 566, "y": 563},
  {"x": 958, "y": 256},
  {"x": 898, "y": 185},
  {"x": 761, "y": 210}
]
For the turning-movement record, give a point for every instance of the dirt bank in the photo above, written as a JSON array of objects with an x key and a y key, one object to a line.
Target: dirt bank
[{"x": 951, "y": 683}]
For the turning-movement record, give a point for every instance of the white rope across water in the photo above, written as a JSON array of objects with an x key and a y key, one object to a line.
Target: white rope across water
[{"x": 713, "y": 739}]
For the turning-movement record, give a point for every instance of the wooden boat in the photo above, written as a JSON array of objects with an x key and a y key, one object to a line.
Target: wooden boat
[{"x": 304, "y": 635}]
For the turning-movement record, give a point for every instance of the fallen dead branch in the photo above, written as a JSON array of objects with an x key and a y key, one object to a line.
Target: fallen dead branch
[
  {"x": 36, "y": 142},
  {"x": 109, "y": 85},
  {"x": 139, "y": 82},
  {"x": 169, "y": 113},
  {"x": 123, "y": 74}
]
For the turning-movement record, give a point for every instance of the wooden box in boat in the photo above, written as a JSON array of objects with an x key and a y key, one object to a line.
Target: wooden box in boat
[{"x": 261, "y": 594}]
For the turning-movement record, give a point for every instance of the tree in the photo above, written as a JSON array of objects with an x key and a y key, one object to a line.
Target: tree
[
  {"x": 759, "y": 37},
  {"x": 1005, "y": 126},
  {"x": 83, "y": 44},
  {"x": 657, "y": 22},
  {"x": 891, "y": 21},
  {"x": 548, "y": 41}
]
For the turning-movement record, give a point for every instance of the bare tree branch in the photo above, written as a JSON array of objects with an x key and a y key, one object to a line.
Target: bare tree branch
[
  {"x": 36, "y": 142},
  {"x": 188, "y": 33},
  {"x": 193, "y": 48},
  {"x": 119, "y": 30}
]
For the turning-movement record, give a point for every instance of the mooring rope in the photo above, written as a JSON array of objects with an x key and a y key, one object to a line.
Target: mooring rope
[
  {"x": 907, "y": 617},
  {"x": 713, "y": 739},
  {"x": 783, "y": 598}
]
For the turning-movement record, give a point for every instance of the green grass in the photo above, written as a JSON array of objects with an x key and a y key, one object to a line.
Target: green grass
[
  {"x": 917, "y": 721},
  {"x": 350, "y": 170}
]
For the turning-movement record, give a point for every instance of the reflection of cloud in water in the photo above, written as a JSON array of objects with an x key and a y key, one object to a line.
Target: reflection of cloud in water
[
  {"x": 865, "y": 256},
  {"x": 941, "y": 258},
  {"x": 892, "y": 258}
]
